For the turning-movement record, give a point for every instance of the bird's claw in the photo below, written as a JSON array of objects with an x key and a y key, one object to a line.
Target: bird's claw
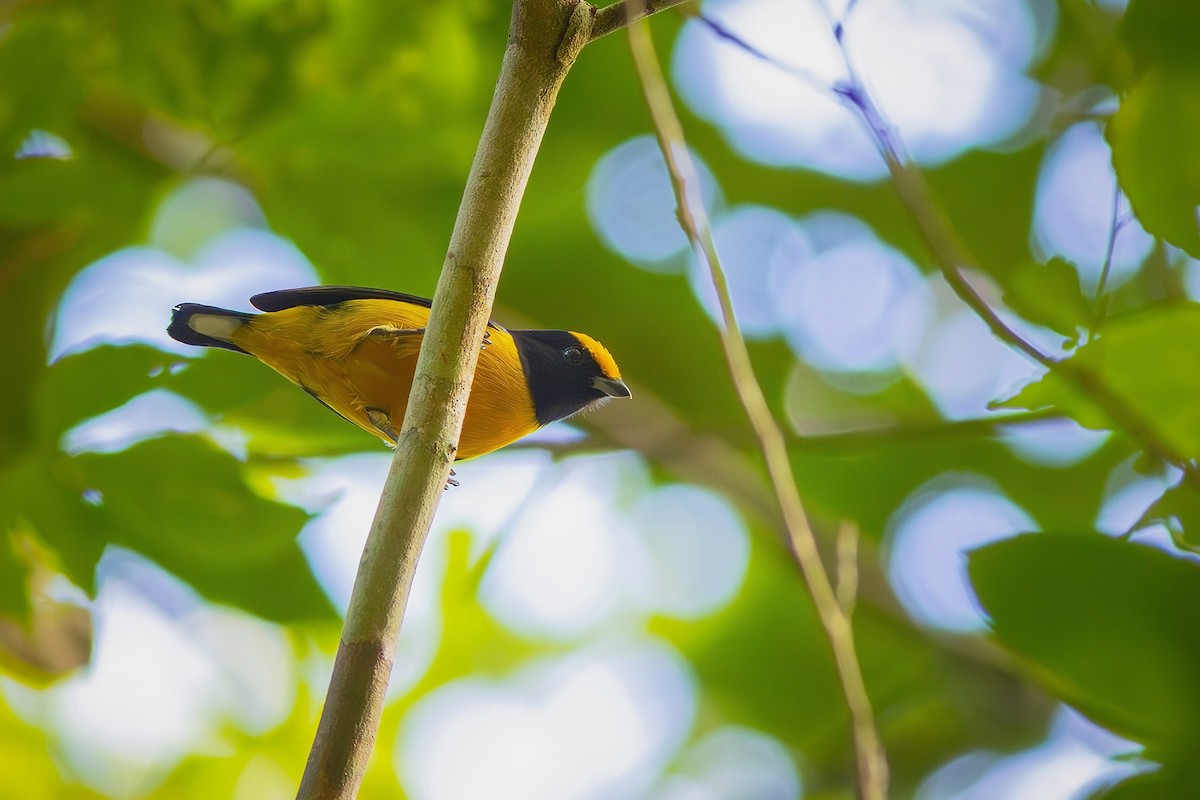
[{"x": 382, "y": 422}]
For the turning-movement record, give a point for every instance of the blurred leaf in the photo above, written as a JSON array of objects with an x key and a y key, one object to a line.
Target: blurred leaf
[
  {"x": 55, "y": 218},
  {"x": 102, "y": 190},
  {"x": 1148, "y": 361},
  {"x": 279, "y": 418},
  {"x": 44, "y": 493},
  {"x": 14, "y": 574},
  {"x": 185, "y": 504},
  {"x": 84, "y": 385},
  {"x": 39, "y": 80},
  {"x": 1155, "y": 138},
  {"x": 1179, "y": 510},
  {"x": 1161, "y": 32},
  {"x": 198, "y": 61},
  {"x": 368, "y": 197},
  {"x": 1159, "y": 785},
  {"x": 1108, "y": 626},
  {"x": 366, "y": 169},
  {"x": 24, "y": 301},
  {"x": 1155, "y": 135},
  {"x": 34, "y": 771},
  {"x": 1049, "y": 294}
]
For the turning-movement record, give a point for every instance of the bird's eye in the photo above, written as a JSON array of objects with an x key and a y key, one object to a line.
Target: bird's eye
[{"x": 573, "y": 355}]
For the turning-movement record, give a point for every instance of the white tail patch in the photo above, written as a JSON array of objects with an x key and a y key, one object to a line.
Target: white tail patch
[{"x": 216, "y": 326}]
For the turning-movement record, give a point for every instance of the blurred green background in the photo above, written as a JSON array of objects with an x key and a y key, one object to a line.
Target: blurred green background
[{"x": 607, "y": 610}]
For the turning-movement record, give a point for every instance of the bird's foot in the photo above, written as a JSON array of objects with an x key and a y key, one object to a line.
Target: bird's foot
[{"x": 382, "y": 422}]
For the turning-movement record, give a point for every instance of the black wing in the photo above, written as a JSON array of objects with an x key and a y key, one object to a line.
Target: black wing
[
  {"x": 332, "y": 295},
  {"x": 328, "y": 296}
]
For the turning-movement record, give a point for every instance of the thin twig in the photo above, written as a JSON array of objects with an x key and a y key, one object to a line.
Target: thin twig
[
  {"x": 1102, "y": 296},
  {"x": 612, "y": 18},
  {"x": 869, "y": 754},
  {"x": 931, "y": 221},
  {"x": 722, "y": 32}
]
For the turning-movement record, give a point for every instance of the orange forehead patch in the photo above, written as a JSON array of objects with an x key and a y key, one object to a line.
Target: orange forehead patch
[{"x": 603, "y": 359}]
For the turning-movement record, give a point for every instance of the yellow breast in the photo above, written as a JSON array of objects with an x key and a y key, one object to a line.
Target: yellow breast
[{"x": 358, "y": 358}]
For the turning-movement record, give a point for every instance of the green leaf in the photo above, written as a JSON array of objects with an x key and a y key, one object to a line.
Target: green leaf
[
  {"x": 1148, "y": 361},
  {"x": 1106, "y": 625},
  {"x": 1161, "y": 32},
  {"x": 81, "y": 386},
  {"x": 39, "y": 80},
  {"x": 1162, "y": 785},
  {"x": 278, "y": 417},
  {"x": 185, "y": 504},
  {"x": 1179, "y": 510},
  {"x": 24, "y": 301},
  {"x": 1155, "y": 138},
  {"x": 14, "y": 575},
  {"x": 1049, "y": 294},
  {"x": 198, "y": 62},
  {"x": 45, "y": 492}
]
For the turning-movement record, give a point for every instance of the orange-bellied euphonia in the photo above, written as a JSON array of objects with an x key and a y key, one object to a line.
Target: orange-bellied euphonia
[{"x": 355, "y": 350}]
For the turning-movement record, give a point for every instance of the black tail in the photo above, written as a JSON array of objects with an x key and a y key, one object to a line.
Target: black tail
[{"x": 181, "y": 329}]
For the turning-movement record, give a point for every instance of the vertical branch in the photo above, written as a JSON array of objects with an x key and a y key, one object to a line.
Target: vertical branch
[
  {"x": 869, "y": 754},
  {"x": 544, "y": 38},
  {"x": 846, "y": 586}
]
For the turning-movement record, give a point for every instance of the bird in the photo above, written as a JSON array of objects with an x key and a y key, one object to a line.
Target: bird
[{"x": 355, "y": 350}]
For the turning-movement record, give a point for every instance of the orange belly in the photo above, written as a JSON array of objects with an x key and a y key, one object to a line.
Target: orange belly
[{"x": 332, "y": 354}]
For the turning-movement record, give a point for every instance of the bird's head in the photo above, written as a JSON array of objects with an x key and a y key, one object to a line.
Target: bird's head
[{"x": 567, "y": 372}]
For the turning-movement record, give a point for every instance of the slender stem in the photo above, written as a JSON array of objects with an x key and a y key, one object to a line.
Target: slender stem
[
  {"x": 722, "y": 32},
  {"x": 846, "y": 587},
  {"x": 544, "y": 38},
  {"x": 870, "y": 758},
  {"x": 612, "y": 18},
  {"x": 931, "y": 221}
]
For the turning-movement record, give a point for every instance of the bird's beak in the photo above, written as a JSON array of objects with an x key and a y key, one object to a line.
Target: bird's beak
[{"x": 611, "y": 387}]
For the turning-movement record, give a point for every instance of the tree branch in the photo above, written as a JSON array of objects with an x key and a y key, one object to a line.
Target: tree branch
[
  {"x": 544, "y": 38},
  {"x": 869, "y": 754},
  {"x": 612, "y": 18}
]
